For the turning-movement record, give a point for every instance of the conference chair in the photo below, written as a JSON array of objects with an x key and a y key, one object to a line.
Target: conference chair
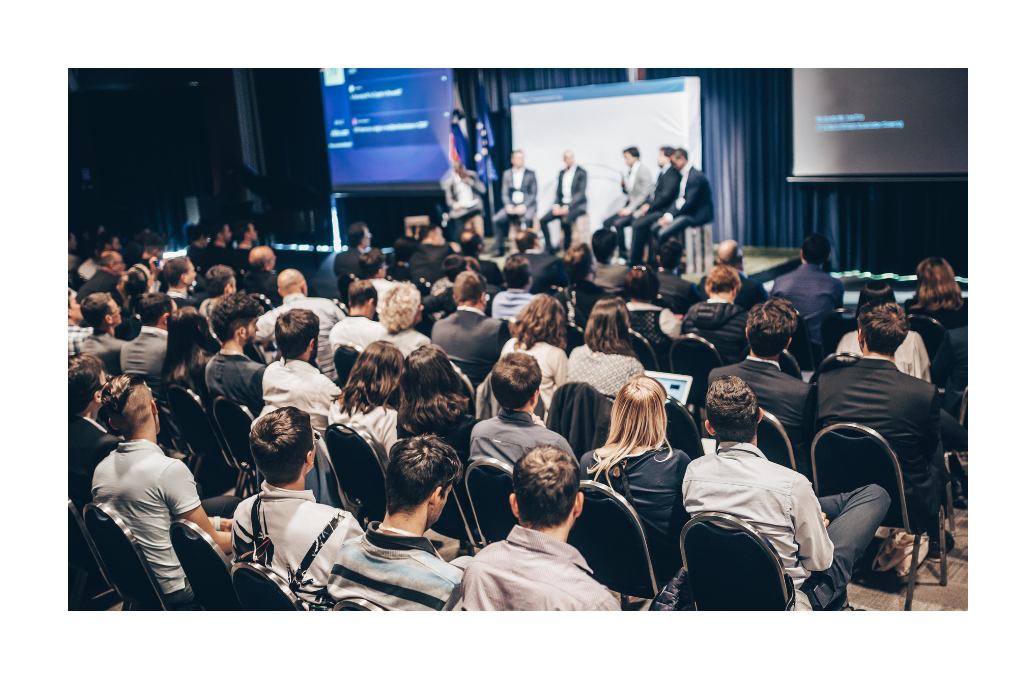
[
  {"x": 206, "y": 566},
  {"x": 731, "y": 567},
  {"x": 833, "y": 362},
  {"x": 489, "y": 486},
  {"x": 574, "y": 337},
  {"x": 801, "y": 347},
  {"x": 83, "y": 559},
  {"x": 469, "y": 389},
  {"x": 833, "y": 327},
  {"x": 255, "y": 352},
  {"x": 930, "y": 330},
  {"x": 213, "y": 469},
  {"x": 848, "y": 456},
  {"x": 260, "y": 589},
  {"x": 129, "y": 572},
  {"x": 611, "y": 538},
  {"x": 235, "y": 424},
  {"x": 355, "y": 603},
  {"x": 681, "y": 431},
  {"x": 774, "y": 441},
  {"x": 569, "y": 402},
  {"x": 642, "y": 348},
  {"x": 964, "y": 409},
  {"x": 345, "y": 359},
  {"x": 358, "y": 473},
  {"x": 697, "y": 357}
]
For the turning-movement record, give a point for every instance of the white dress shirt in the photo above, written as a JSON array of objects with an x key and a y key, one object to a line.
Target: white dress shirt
[
  {"x": 566, "y": 185},
  {"x": 297, "y": 383},
  {"x": 764, "y": 360},
  {"x": 911, "y": 357},
  {"x": 355, "y": 330},
  {"x": 679, "y": 195},
  {"x": 327, "y": 312}
]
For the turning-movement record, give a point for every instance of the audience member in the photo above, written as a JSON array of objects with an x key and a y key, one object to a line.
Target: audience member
[
  {"x": 399, "y": 263},
  {"x": 770, "y": 326},
  {"x": 131, "y": 287},
  {"x": 515, "y": 431},
  {"x": 230, "y": 373},
  {"x": 547, "y": 270},
  {"x": 534, "y": 569},
  {"x": 262, "y": 277},
  {"x": 180, "y": 275},
  {"x": 610, "y": 277},
  {"x": 679, "y": 293},
  {"x": 903, "y": 409},
  {"x": 471, "y": 245},
  {"x": 510, "y": 302},
  {"x": 818, "y": 542},
  {"x": 294, "y": 380},
  {"x": 427, "y": 260},
  {"x": 105, "y": 242},
  {"x": 402, "y": 312},
  {"x": 198, "y": 239},
  {"x": 639, "y": 463},
  {"x": 283, "y": 527},
  {"x": 657, "y": 325},
  {"x": 358, "y": 240},
  {"x": 149, "y": 490},
  {"x": 451, "y": 266},
  {"x": 606, "y": 362},
  {"x": 393, "y": 564},
  {"x": 812, "y": 291},
  {"x": 357, "y": 330},
  {"x": 718, "y": 319},
  {"x": 938, "y": 294},
  {"x": 911, "y": 356},
  {"x": 186, "y": 353},
  {"x": 219, "y": 281},
  {"x": 369, "y": 402},
  {"x": 244, "y": 234},
  {"x": 77, "y": 333},
  {"x": 432, "y": 400},
  {"x": 88, "y": 441},
  {"x": 580, "y": 296},
  {"x": 101, "y": 313},
  {"x": 146, "y": 354},
  {"x": 292, "y": 287},
  {"x": 751, "y": 292},
  {"x": 218, "y": 250},
  {"x": 950, "y": 369},
  {"x": 373, "y": 268},
  {"x": 440, "y": 303},
  {"x": 471, "y": 340},
  {"x": 539, "y": 330},
  {"x": 109, "y": 270}
]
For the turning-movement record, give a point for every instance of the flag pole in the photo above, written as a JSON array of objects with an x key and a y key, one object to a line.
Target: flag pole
[{"x": 489, "y": 182}]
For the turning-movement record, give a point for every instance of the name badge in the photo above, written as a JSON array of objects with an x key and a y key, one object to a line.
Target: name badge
[{"x": 517, "y": 197}]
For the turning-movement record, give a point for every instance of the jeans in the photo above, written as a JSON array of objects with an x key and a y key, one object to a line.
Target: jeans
[{"x": 854, "y": 517}]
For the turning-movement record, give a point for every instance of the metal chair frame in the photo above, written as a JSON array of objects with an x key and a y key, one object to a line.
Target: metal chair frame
[
  {"x": 648, "y": 347},
  {"x": 356, "y": 604},
  {"x": 215, "y": 429},
  {"x": 787, "y": 356},
  {"x": 852, "y": 426},
  {"x": 247, "y": 479},
  {"x": 81, "y": 575},
  {"x": 772, "y": 419},
  {"x": 113, "y": 516},
  {"x": 823, "y": 347},
  {"x": 829, "y": 360},
  {"x": 730, "y": 521},
  {"x": 268, "y": 574},
  {"x": 927, "y": 320},
  {"x": 485, "y": 462},
  {"x": 354, "y": 506},
  {"x": 691, "y": 337},
  {"x": 964, "y": 408}
]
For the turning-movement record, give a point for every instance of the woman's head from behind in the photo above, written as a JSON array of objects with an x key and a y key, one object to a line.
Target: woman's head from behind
[
  {"x": 875, "y": 292},
  {"x": 402, "y": 305},
  {"x": 638, "y": 421},
  {"x": 374, "y": 380},
  {"x": 542, "y": 320},
  {"x": 188, "y": 336},
  {"x": 431, "y": 395},
  {"x": 608, "y": 329},
  {"x": 937, "y": 288},
  {"x": 642, "y": 284}
]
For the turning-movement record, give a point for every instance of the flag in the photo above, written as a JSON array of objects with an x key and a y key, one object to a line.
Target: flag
[{"x": 483, "y": 163}]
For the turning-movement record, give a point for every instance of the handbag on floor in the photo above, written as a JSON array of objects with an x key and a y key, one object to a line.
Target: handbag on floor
[{"x": 896, "y": 552}]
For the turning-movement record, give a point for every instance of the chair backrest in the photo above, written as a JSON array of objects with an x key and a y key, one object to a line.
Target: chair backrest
[
  {"x": 355, "y": 603},
  {"x": 489, "y": 487},
  {"x": 345, "y": 359},
  {"x": 681, "y": 431},
  {"x": 833, "y": 362},
  {"x": 574, "y": 337},
  {"x": 82, "y": 552},
  {"x": 697, "y": 357},
  {"x": 847, "y": 456},
  {"x": 454, "y": 521},
  {"x": 235, "y": 423},
  {"x": 260, "y": 589},
  {"x": 930, "y": 330},
  {"x": 800, "y": 344},
  {"x": 964, "y": 409},
  {"x": 469, "y": 389},
  {"x": 122, "y": 558},
  {"x": 611, "y": 538},
  {"x": 774, "y": 441},
  {"x": 833, "y": 327},
  {"x": 206, "y": 566},
  {"x": 358, "y": 472},
  {"x": 193, "y": 424},
  {"x": 731, "y": 567},
  {"x": 642, "y": 348},
  {"x": 789, "y": 366}
]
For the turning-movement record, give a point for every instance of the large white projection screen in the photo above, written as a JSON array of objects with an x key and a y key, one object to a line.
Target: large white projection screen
[{"x": 596, "y": 123}]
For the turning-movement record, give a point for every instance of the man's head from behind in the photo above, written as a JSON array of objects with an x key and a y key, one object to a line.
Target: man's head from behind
[
  {"x": 729, "y": 253},
  {"x": 219, "y": 280},
  {"x": 603, "y": 243},
  {"x": 517, "y": 274},
  {"x": 770, "y": 327},
  {"x": 179, "y": 272},
  {"x": 526, "y": 240},
  {"x": 516, "y": 379},
  {"x": 111, "y": 261},
  {"x": 372, "y": 264},
  {"x": 358, "y": 235},
  {"x": 723, "y": 281},
  {"x": 579, "y": 263},
  {"x": 261, "y": 258},
  {"x": 732, "y": 410},
  {"x": 815, "y": 249},
  {"x": 883, "y": 327},
  {"x": 546, "y": 489},
  {"x": 453, "y": 265},
  {"x": 471, "y": 243},
  {"x": 430, "y": 234},
  {"x": 100, "y": 312},
  {"x": 419, "y": 475},
  {"x": 85, "y": 379},
  {"x": 296, "y": 333},
  {"x": 670, "y": 255},
  {"x": 363, "y": 298},
  {"x": 154, "y": 309},
  {"x": 234, "y": 316},
  {"x": 282, "y": 445},
  {"x": 469, "y": 290},
  {"x": 131, "y": 408}
]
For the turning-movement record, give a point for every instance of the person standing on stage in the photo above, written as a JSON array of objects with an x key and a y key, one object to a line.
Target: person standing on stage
[
  {"x": 518, "y": 191},
  {"x": 569, "y": 201},
  {"x": 637, "y": 187}
]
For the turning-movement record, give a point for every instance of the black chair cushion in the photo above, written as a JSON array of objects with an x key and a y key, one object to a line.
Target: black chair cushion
[
  {"x": 345, "y": 359},
  {"x": 236, "y": 427},
  {"x": 489, "y": 490},
  {"x": 773, "y": 445},
  {"x": 681, "y": 430},
  {"x": 357, "y": 471},
  {"x": 121, "y": 560},
  {"x": 205, "y": 570},
  {"x": 728, "y": 570},
  {"x": 694, "y": 358}
]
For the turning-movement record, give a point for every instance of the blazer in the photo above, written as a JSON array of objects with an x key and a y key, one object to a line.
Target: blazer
[
  {"x": 682, "y": 293},
  {"x": 697, "y": 197},
  {"x": 102, "y": 281},
  {"x": 641, "y": 189},
  {"x": 477, "y": 188},
  {"x": 144, "y": 356},
  {"x": 106, "y": 348},
  {"x": 347, "y": 262},
  {"x": 529, "y": 188},
  {"x": 666, "y": 188},
  {"x": 750, "y": 294},
  {"x": 546, "y": 270},
  {"x": 813, "y": 292},
  {"x": 472, "y": 341},
  {"x": 792, "y": 401},
  {"x": 426, "y": 262},
  {"x": 950, "y": 368},
  {"x": 265, "y": 283},
  {"x": 578, "y": 190},
  {"x": 904, "y": 410},
  {"x": 87, "y": 446},
  {"x": 612, "y": 277},
  {"x": 491, "y": 272}
]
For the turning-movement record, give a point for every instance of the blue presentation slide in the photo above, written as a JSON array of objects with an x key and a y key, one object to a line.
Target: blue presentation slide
[{"x": 387, "y": 126}]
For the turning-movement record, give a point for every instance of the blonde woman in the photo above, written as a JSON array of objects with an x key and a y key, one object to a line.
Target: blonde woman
[
  {"x": 402, "y": 312},
  {"x": 639, "y": 464},
  {"x": 539, "y": 330}
]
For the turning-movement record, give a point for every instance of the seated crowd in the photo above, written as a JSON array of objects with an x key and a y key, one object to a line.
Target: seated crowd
[{"x": 442, "y": 368}]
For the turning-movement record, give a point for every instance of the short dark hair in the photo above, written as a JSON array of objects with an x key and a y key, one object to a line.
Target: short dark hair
[
  {"x": 417, "y": 466},
  {"x": 526, "y": 240},
  {"x": 884, "y": 327},
  {"x": 679, "y": 153},
  {"x": 280, "y": 441},
  {"x": 174, "y": 268},
  {"x": 453, "y": 265},
  {"x": 194, "y": 232},
  {"x": 152, "y": 306},
  {"x": 355, "y": 233},
  {"x": 732, "y": 409},
  {"x": 770, "y": 326},
  {"x": 360, "y": 291},
  {"x": 633, "y": 151},
  {"x": 371, "y": 263},
  {"x": 217, "y": 278},
  {"x": 816, "y": 248},
  {"x": 109, "y": 257},
  {"x": 579, "y": 260},
  {"x": 84, "y": 380},
  {"x": 469, "y": 287},
  {"x": 238, "y": 229},
  {"x": 470, "y": 242},
  {"x": 875, "y": 292},
  {"x": 94, "y": 308},
  {"x": 230, "y": 312},
  {"x": 294, "y": 330},
  {"x": 604, "y": 242},
  {"x": 425, "y": 229},
  {"x": 125, "y": 410},
  {"x": 642, "y": 284},
  {"x": 214, "y": 227},
  {"x": 516, "y": 272},
  {"x": 667, "y": 151},
  {"x": 546, "y": 483},
  {"x": 515, "y": 378},
  {"x": 403, "y": 247},
  {"x": 670, "y": 254}
]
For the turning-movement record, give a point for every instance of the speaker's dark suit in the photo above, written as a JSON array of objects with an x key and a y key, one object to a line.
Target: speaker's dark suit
[
  {"x": 576, "y": 207},
  {"x": 666, "y": 188},
  {"x": 904, "y": 410},
  {"x": 472, "y": 341},
  {"x": 695, "y": 210},
  {"x": 87, "y": 446}
]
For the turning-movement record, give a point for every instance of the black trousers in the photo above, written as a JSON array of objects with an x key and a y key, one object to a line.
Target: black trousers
[
  {"x": 501, "y": 225},
  {"x": 566, "y": 226},
  {"x": 642, "y": 233},
  {"x": 618, "y": 224}
]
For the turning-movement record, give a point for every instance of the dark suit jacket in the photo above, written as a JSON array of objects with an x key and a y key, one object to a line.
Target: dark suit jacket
[
  {"x": 666, "y": 188},
  {"x": 144, "y": 356},
  {"x": 697, "y": 199},
  {"x": 950, "y": 368},
  {"x": 750, "y": 294},
  {"x": 426, "y": 262},
  {"x": 578, "y": 190},
  {"x": 721, "y": 323},
  {"x": 529, "y": 189},
  {"x": 101, "y": 281},
  {"x": 472, "y": 341},
  {"x": 216, "y": 255},
  {"x": 546, "y": 270},
  {"x": 612, "y": 277},
  {"x": 491, "y": 271},
  {"x": 792, "y": 401},
  {"x": 263, "y": 282},
  {"x": 905, "y": 411},
  {"x": 348, "y": 262},
  {"x": 87, "y": 446},
  {"x": 682, "y": 293},
  {"x": 585, "y": 295}
]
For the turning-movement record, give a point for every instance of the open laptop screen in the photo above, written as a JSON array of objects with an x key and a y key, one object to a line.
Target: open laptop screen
[{"x": 677, "y": 386}]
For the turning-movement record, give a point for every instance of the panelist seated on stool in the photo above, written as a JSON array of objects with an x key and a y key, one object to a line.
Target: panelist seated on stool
[
  {"x": 569, "y": 201},
  {"x": 518, "y": 191}
]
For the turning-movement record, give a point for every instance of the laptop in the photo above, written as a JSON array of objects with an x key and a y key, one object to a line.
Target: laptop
[{"x": 677, "y": 386}]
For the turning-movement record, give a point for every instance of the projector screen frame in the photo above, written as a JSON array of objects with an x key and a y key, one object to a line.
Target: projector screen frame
[{"x": 885, "y": 178}]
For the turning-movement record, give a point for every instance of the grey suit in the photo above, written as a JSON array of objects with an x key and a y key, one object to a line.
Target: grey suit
[
  {"x": 637, "y": 195},
  {"x": 472, "y": 341},
  {"x": 501, "y": 218},
  {"x": 144, "y": 356},
  {"x": 457, "y": 211},
  {"x": 106, "y": 348}
]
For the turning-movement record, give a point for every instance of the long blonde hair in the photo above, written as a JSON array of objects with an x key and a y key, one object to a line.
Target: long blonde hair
[{"x": 638, "y": 419}]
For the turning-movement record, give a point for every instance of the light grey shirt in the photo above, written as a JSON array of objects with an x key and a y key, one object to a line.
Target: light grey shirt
[{"x": 326, "y": 311}]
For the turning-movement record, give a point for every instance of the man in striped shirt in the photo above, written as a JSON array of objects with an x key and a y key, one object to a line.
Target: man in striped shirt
[{"x": 393, "y": 564}]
